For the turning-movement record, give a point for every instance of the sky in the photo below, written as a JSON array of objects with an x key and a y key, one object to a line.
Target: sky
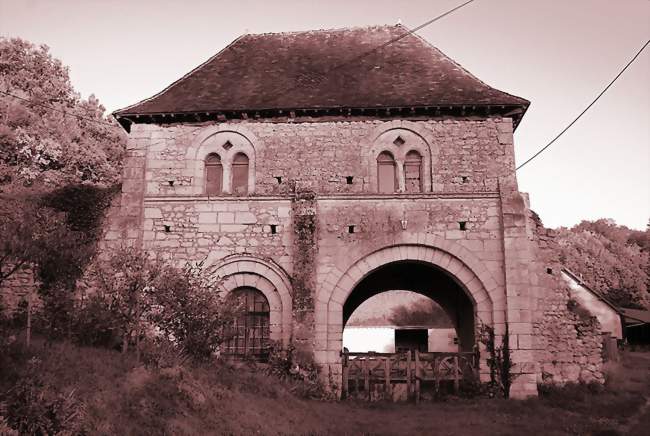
[{"x": 558, "y": 54}]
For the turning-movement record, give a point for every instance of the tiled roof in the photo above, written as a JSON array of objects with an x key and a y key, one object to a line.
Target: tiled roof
[{"x": 322, "y": 70}]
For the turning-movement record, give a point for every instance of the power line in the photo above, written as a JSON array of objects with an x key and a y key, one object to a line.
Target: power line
[
  {"x": 397, "y": 38},
  {"x": 587, "y": 108},
  {"x": 320, "y": 76}
]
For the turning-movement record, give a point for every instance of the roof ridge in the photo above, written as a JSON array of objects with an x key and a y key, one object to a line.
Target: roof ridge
[{"x": 335, "y": 29}]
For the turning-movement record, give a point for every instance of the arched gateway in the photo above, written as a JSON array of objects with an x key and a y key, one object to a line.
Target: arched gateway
[{"x": 451, "y": 276}]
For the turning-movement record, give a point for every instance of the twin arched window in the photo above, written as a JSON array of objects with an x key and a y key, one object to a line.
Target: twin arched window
[
  {"x": 388, "y": 180},
  {"x": 214, "y": 175}
]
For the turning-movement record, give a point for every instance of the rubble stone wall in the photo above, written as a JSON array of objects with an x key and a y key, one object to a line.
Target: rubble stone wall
[{"x": 567, "y": 337}]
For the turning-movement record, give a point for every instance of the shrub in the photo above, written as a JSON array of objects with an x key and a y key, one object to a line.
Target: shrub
[
  {"x": 190, "y": 310},
  {"x": 33, "y": 407},
  {"x": 500, "y": 362},
  {"x": 94, "y": 324}
]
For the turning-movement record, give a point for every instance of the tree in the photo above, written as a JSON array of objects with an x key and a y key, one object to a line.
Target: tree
[
  {"x": 611, "y": 259},
  {"x": 126, "y": 283},
  {"x": 47, "y": 132}
]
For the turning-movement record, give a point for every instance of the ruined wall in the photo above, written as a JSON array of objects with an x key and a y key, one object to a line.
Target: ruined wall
[{"x": 568, "y": 339}]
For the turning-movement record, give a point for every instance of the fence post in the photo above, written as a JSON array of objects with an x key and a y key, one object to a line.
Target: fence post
[
  {"x": 366, "y": 377},
  {"x": 408, "y": 374},
  {"x": 456, "y": 375},
  {"x": 417, "y": 377},
  {"x": 389, "y": 391}
]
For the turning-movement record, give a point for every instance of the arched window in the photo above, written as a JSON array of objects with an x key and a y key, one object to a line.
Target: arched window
[
  {"x": 240, "y": 174},
  {"x": 413, "y": 172},
  {"x": 386, "y": 181},
  {"x": 213, "y": 174},
  {"x": 249, "y": 335}
]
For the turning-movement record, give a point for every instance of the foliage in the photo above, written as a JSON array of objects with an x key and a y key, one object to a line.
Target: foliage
[
  {"x": 94, "y": 324},
  {"x": 33, "y": 407},
  {"x": 55, "y": 147},
  {"x": 500, "y": 360},
  {"x": 137, "y": 295},
  {"x": 304, "y": 377},
  {"x": 125, "y": 285},
  {"x": 423, "y": 312},
  {"x": 611, "y": 259},
  {"x": 190, "y": 310}
]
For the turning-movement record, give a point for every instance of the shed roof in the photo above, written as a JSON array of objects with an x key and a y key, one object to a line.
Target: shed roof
[
  {"x": 635, "y": 316},
  {"x": 573, "y": 276},
  {"x": 368, "y": 67}
]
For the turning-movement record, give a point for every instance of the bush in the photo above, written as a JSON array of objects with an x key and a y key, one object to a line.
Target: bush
[
  {"x": 33, "y": 407},
  {"x": 94, "y": 324},
  {"x": 189, "y": 310}
]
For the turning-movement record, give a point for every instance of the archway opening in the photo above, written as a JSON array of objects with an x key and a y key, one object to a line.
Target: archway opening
[{"x": 403, "y": 279}]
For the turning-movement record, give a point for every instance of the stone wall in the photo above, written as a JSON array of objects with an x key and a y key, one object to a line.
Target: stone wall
[
  {"x": 460, "y": 156},
  {"x": 568, "y": 338}
]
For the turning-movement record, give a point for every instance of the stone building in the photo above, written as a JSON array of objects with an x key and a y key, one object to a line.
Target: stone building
[{"x": 313, "y": 170}]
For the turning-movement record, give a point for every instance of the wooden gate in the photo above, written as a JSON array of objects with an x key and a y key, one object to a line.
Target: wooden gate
[{"x": 365, "y": 373}]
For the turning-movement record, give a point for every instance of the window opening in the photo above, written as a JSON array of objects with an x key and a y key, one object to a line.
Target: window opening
[
  {"x": 240, "y": 174},
  {"x": 386, "y": 173},
  {"x": 413, "y": 172},
  {"x": 213, "y": 174}
]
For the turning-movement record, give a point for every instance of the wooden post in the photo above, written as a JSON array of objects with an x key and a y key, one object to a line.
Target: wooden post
[
  {"x": 366, "y": 377},
  {"x": 417, "y": 377},
  {"x": 356, "y": 376},
  {"x": 408, "y": 374},
  {"x": 346, "y": 375},
  {"x": 436, "y": 375},
  {"x": 456, "y": 375},
  {"x": 389, "y": 391}
]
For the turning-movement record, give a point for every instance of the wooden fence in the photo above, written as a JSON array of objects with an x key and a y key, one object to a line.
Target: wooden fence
[{"x": 365, "y": 373}]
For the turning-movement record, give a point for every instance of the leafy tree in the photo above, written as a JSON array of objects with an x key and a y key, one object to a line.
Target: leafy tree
[
  {"x": 47, "y": 132},
  {"x": 611, "y": 259},
  {"x": 126, "y": 283},
  {"x": 423, "y": 312}
]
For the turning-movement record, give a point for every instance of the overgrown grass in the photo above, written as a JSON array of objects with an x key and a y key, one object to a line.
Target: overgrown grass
[{"x": 121, "y": 397}]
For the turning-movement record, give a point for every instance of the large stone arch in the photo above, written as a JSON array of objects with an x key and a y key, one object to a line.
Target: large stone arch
[
  {"x": 417, "y": 139},
  {"x": 467, "y": 270},
  {"x": 238, "y": 271},
  {"x": 211, "y": 140}
]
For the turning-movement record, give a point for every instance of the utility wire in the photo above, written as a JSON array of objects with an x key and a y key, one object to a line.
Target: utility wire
[
  {"x": 586, "y": 109},
  {"x": 395, "y": 39}
]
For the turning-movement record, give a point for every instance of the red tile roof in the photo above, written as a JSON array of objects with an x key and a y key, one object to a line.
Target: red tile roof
[{"x": 322, "y": 70}]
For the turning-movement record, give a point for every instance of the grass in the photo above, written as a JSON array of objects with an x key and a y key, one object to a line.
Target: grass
[{"x": 121, "y": 397}]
